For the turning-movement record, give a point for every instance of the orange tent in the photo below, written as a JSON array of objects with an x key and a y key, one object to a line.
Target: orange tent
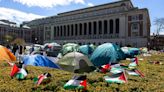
[{"x": 6, "y": 55}]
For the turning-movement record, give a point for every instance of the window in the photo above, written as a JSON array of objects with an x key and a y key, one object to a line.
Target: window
[
  {"x": 76, "y": 29},
  {"x": 117, "y": 25},
  {"x": 55, "y": 32},
  {"x": 94, "y": 27},
  {"x": 61, "y": 31},
  {"x": 90, "y": 28},
  {"x": 85, "y": 28},
  {"x": 105, "y": 26},
  {"x": 135, "y": 26},
  {"x": 80, "y": 25},
  {"x": 72, "y": 30},
  {"x": 68, "y": 30},
  {"x": 64, "y": 30},
  {"x": 135, "y": 17},
  {"x": 111, "y": 26},
  {"x": 100, "y": 27}
]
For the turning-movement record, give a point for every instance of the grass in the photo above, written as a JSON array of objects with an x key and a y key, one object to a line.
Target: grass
[{"x": 153, "y": 81}]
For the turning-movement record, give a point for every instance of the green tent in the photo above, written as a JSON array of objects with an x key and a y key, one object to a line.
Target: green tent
[
  {"x": 76, "y": 62},
  {"x": 69, "y": 47}
]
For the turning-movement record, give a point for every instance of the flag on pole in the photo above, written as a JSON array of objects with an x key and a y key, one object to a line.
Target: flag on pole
[
  {"x": 21, "y": 74},
  {"x": 116, "y": 78},
  {"x": 14, "y": 70},
  {"x": 135, "y": 72},
  {"x": 77, "y": 82}
]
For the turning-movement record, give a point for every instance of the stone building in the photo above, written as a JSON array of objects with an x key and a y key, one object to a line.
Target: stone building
[
  {"x": 117, "y": 22},
  {"x": 11, "y": 29}
]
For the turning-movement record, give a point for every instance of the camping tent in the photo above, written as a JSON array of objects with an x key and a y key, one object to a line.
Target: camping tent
[
  {"x": 86, "y": 50},
  {"x": 52, "y": 49},
  {"x": 76, "y": 62},
  {"x": 121, "y": 55},
  {"x": 39, "y": 60},
  {"x": 104, "y": 54},
  {"x": 130, "y": 52},
  {"x": 69, "y": 47},
  {"x": 6, "y": 55}
]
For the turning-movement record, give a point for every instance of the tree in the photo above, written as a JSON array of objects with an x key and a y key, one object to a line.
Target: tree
[
  {"x": 159, "y": 22},
  {"x": 18, "y": 41},
  {"x": 8, "y": 38}
]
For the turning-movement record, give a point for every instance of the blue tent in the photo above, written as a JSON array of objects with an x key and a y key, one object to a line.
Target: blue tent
[
  {"x": 86, "y": 50},
  {"x": 104, "y": 54},
  {"x": 39, "y": 60},
  {"x": 121, "y": 55}
]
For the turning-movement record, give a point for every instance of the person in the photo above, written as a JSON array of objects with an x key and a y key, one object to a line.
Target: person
[
  {"x": 20, "y": 49},
  {"x": 15, "y": 48}
]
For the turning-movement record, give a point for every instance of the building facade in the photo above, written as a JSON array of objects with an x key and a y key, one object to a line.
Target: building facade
[
  {"x": 157, "y": 42},
  {"x": 118, "y": 22},
  {"x": 10, "y": 29}
]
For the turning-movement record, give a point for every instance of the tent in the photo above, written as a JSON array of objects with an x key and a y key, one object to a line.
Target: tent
[
  {"x": 130, "y": 52},
  {"x": 86, "y": 50},
  {"x": 52, "y": 49},
  {"x": 121, "y": 55},
  {"x": 69, "y": 47},
  {"x": 76, "y": 62},
  {"x": 104, "y": 54},
  {"x": 6, "y": 55},
  {"x": 39, "y": 60}
]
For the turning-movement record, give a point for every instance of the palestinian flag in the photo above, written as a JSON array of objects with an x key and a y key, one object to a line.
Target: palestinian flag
[
  {"x": 116, "y": 78},
  {"x": 116, "y": 69},
  {"x": 77, "y": 82},
  {"x": 134, "y": 63},
  {"x": 135, "y": 72},
  {"x": 41, "y": 77},
  {"x": 123, "y": 66},
  {"x": 21, "y": 74},
  {"x": 105, "y": 68},
  {"x": 14, "y": 70}
]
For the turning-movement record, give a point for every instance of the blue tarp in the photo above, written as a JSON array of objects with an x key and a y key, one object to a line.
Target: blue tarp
[
  {"x": 39, "y": 60},
  {"x": 86, "y": 50},
  {"x": 106, "y": 53}
]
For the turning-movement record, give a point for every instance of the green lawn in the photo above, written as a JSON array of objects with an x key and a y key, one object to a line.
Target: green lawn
[{"x": 153, "y": 81}]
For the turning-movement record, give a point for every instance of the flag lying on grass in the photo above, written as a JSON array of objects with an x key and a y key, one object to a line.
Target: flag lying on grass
[
  {"x": 116, "y": 69},
  {"x": 38, "y": 80},
  {"x": 105, "y": 68},
  {"x": 134, "y": 63},
  {"x": 116, "y": 78},
  {"x": 14, "y": 70},
  {"x": 77, "y": 82},
  {"x": 21, "y": 74},
  {"x": 135, "y": 72}
]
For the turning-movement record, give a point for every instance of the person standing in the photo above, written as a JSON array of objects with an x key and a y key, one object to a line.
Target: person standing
[
  {"x": 15, "y": 48},
  {"x": 20, "y": 49}
]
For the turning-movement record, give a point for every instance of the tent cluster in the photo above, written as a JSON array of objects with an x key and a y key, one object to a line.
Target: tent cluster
[{"x": 78, "y": 59}]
